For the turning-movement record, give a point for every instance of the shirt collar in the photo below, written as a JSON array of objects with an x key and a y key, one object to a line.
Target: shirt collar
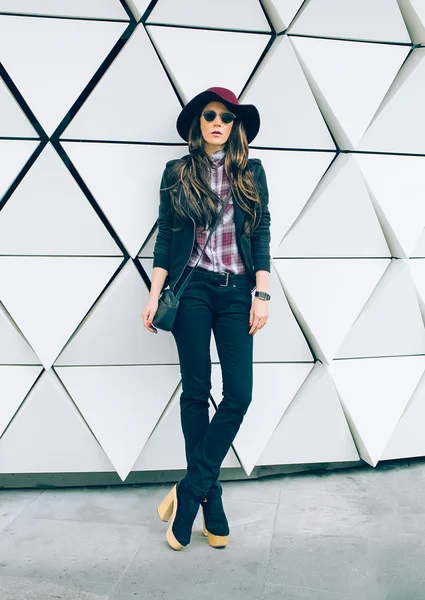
[{"x": 217, "y": 158}]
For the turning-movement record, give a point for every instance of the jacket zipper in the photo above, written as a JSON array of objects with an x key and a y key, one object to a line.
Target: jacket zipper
[{"x": 193, "y": 244}]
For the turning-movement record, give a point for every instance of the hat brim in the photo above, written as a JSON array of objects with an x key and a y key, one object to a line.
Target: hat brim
[{"x": 246, "y": 112}]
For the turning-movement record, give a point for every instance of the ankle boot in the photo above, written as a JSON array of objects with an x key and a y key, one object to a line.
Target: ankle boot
[
  {"x": 216, "y": 527},
  {"x": 182, "y": 505}
]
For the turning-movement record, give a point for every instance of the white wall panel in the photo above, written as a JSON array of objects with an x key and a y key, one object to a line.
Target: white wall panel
[
  {"x": 222, "y": 14},
  {"x": 58, "y": 217},
  {"x": 376, "y": 20},
  {"x": 124, "y": 104},
  {"x": 349, "y": 81},
  {"x": 124, "y": 180},
  {"x": 291, "y": 179},
  {"x": 13, "y": 156},
  {"x": 274, "y": 388},
  {"x": 327, "y": 295},
  {"x": 94, "y": 9},
  {"x": 329, "y": 222},
  {"x": 48, "y": 296},
  {"x": 397, "y": 187},
  {"x": 14, "y": 349},
  {"x": 414, "y": 14},
  {"x": 374, "y": 393},
  {"x": 59, "y": 68},
  {"x": 15, "y": 382},
  {"x": 407, "y": 439},
  {"x": 175, "y": 44},
  {"x": 121, "y": 405},
  {"x": 281, "y": 12},
  {"x": 49, "y": 435},
  {"x": 390, "y": 322},
  {"x": 13, "y": 121},
  {"x": 113, "y": 332},
  {"x": 290, "y": 117},
  {"x": 313, "y": 427},
  {"x": 399, "y": 125}
]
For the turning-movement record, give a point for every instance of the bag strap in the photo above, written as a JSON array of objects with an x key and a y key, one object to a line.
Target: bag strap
[{"x": 223, "y": 208}]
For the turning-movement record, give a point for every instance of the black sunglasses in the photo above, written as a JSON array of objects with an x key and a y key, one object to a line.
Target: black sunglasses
[{"x": 226, "y": 117}]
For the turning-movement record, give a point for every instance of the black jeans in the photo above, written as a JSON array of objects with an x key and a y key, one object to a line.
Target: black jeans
[{"x": 206, "y": 306}]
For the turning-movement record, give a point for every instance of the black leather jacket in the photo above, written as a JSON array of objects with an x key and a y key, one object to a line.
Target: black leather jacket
[{"x": 173, "y": 249}]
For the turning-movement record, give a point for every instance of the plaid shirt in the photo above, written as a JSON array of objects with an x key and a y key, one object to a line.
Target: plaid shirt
[{"x": 222, "y": 253}]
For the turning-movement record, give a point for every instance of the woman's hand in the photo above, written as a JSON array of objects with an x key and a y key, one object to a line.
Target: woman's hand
[
  {"x": 258, "y": 315},
  {"x": 149, "y": 313}
]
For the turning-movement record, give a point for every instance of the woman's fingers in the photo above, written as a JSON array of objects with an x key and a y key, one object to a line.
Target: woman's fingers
[
  {"x": 147, "y": 320},
  {"x": 256, "y": 324}
]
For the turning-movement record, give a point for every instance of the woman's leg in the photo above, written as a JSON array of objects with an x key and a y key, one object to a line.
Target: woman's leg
[
  {"x": 192, "y": 333},
  {"x": 235, "y": 349}
]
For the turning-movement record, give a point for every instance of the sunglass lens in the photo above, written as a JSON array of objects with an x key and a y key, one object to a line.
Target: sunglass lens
[
  {"x": 227, "y": 117},
  {"x": 209, "y": 115}
]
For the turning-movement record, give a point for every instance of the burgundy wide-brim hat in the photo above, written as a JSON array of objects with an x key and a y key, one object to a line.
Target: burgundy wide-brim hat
[{"x": 246, "y": 112}]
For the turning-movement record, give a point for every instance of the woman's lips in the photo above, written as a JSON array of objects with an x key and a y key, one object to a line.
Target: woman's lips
[{"x": 216, "y": 133}]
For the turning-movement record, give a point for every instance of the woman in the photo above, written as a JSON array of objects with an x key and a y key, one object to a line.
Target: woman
[{"x": 218, "y": 297}]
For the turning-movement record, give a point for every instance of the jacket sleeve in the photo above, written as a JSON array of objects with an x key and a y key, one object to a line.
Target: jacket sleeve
[
  {"x": 161, "y": 253},
  {"x": 260, "y": 239}
]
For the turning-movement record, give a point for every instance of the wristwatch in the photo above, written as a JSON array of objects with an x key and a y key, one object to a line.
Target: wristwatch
[{"x": 262, "y": 295}]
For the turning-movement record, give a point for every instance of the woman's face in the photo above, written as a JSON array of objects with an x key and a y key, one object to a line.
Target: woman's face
[{"x": 215, "y": 133}]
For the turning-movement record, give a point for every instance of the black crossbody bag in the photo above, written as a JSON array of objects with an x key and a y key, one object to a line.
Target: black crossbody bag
[{"x": 168, "y": 302}]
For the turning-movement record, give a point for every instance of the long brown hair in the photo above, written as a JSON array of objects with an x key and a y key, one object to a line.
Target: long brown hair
[{"x": 191, "y": 193}]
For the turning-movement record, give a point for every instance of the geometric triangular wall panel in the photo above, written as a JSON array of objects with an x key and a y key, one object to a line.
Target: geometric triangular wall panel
[
  {"x": 290, "y": 117},
  {"x": 374, "y": 393},
  {"x": 13, "y": 121},
  {"x": 121, "y": 405},
  {"x": 48, "y": 296},
  {"x": 226, "y": 14},
  {"x": 124, "y": 180},
  {"x": 407, "y": 439},
  {"x": 274, "y": 388},
  {"x": 390, "y": 323},
  {"x": 89, "y": 9},
  {"x": 121, "y": 106},
  {"x": 55, "y": 57},
  {"x": 15, "y": 382},
  {"x": 58, "y": 217},
  {"x": 14, "y": 349},
  {"x": 397, "y": 186},
  {"x": 329, "y": 223},
  {"x": 414, "y": 14},
  {"x": 358, "y": 20},
  {"x": 174, "y": 44},
  {"x": 48, "y": 435},
  {"x": 399, "y": 125},
  {"x": 417, "y": 270},
  {"x": 291, "y": 179},
  {"x": 349, "y": 81},
  {"x": 313, "y": 427},
  {"x": 113, "y": 333},
  {"x": 327, "y": 295},
  {"x": 281, "y": 12},
  {"x": 13, "y": 156}
]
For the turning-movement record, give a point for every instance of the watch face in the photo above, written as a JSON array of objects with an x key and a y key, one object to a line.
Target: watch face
[{"x": 263, "y": 295}]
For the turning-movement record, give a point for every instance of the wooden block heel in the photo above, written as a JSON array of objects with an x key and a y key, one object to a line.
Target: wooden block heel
[
  {"x": 216, "y": 541},
  {"x": 165, "y": 509}
]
